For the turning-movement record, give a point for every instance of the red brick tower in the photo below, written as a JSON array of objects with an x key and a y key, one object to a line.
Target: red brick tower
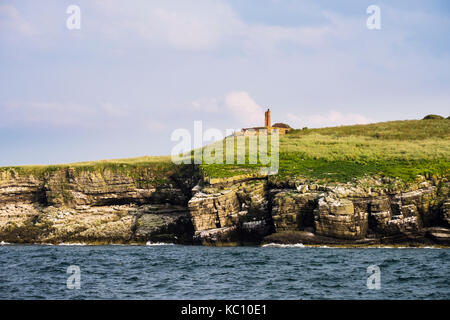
[{"x": 267, "y": 118}]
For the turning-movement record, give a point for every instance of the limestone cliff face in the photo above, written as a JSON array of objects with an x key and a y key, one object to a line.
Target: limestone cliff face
[
  {"x": 293, "y": 210},
  {"x": 16, "y": 189},
  {"x": 354, "y": 215},
  {"x": 321, "y": 214},
  {"x": 235, "y": 213},
  {"x": 69, "y": 205},
  {"x": 67, "y": 187},
  {"x": 107, "y": 207}
]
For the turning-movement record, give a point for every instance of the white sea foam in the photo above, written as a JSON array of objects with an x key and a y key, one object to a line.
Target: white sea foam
[
  {"x": 158, "y": 244},
  {"x": 3, "y": 243},
  {"x": 278, "y": 245},
  {"x": 72, "y": 244}
]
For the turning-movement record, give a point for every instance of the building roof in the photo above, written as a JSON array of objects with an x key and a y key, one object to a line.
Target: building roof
[{"x": 281, "y": 125}]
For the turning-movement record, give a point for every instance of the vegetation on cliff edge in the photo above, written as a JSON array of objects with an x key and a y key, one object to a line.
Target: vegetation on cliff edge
[
  {"x": 402, "y": 149},
  {"x": 155, "y": 170}
]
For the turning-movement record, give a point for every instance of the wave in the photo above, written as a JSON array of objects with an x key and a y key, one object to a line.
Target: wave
[
  {"x": 158, "y": 244},
  {"x": 3, "y": 243},
  {"x": 72, "y": 244},
  {"x": 278, "y": 245}
]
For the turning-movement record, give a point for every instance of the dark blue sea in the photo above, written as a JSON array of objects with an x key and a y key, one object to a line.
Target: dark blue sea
[{"x": 194, "y": 272}]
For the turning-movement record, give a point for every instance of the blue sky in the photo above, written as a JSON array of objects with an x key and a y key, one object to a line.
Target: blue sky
[{"x": 137, "y": 70}]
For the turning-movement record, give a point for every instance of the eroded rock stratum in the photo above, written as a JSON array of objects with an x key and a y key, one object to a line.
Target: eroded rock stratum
[{"x": 69, "y": 205}]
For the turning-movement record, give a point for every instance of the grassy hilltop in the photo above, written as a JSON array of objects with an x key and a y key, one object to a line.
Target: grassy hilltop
[{"x": 402, "y": 149}]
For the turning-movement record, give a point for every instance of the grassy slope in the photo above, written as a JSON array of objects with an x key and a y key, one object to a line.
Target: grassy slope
[{"x": 401, "y": 149}]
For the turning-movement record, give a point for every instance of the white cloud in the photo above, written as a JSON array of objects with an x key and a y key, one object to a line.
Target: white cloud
[
  {"x": 10, "y": 19},
  {"x": 185, "y": 29},
  {"x": 65, "y": 114},
  {"x": 185, "y": 25},
  {"x": 244, "y": 108},
  {"x": 207, "y": 104},
  {"x": 203, "y": 25},
  {"x": 333, "y": 118},
  {"x": 113, "y": 110},
  {"x": 46, "y": 113},
  {"x": 238, "y": 104},
  {"x": 258, "y": 39}
]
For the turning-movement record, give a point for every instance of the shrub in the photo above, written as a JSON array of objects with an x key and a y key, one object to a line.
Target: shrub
[{"x": 433, "y": 117}]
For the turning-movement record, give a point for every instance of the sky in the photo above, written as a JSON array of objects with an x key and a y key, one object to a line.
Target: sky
[{"x": 137, "y": 70}]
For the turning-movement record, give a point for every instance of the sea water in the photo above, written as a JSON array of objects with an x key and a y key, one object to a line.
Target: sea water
[{"x": 195, "y": 272}]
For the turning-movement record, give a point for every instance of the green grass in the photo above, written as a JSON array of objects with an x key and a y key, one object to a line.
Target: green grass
[
  {"x": 391, "y": 130},
  {"x": 144, "y": 170},
  {"x": 402, "y": 149},
  {"x": 113, "y": 165}
]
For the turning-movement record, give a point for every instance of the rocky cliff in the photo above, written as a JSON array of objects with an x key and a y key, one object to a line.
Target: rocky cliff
[
  {"x": 70, "y": 205},
  {"x": 356, "y": 215},
  {"x": 309, "y": 213}
]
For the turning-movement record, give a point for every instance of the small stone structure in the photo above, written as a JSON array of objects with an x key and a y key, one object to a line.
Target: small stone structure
[{"x": 279, "y": 128}]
